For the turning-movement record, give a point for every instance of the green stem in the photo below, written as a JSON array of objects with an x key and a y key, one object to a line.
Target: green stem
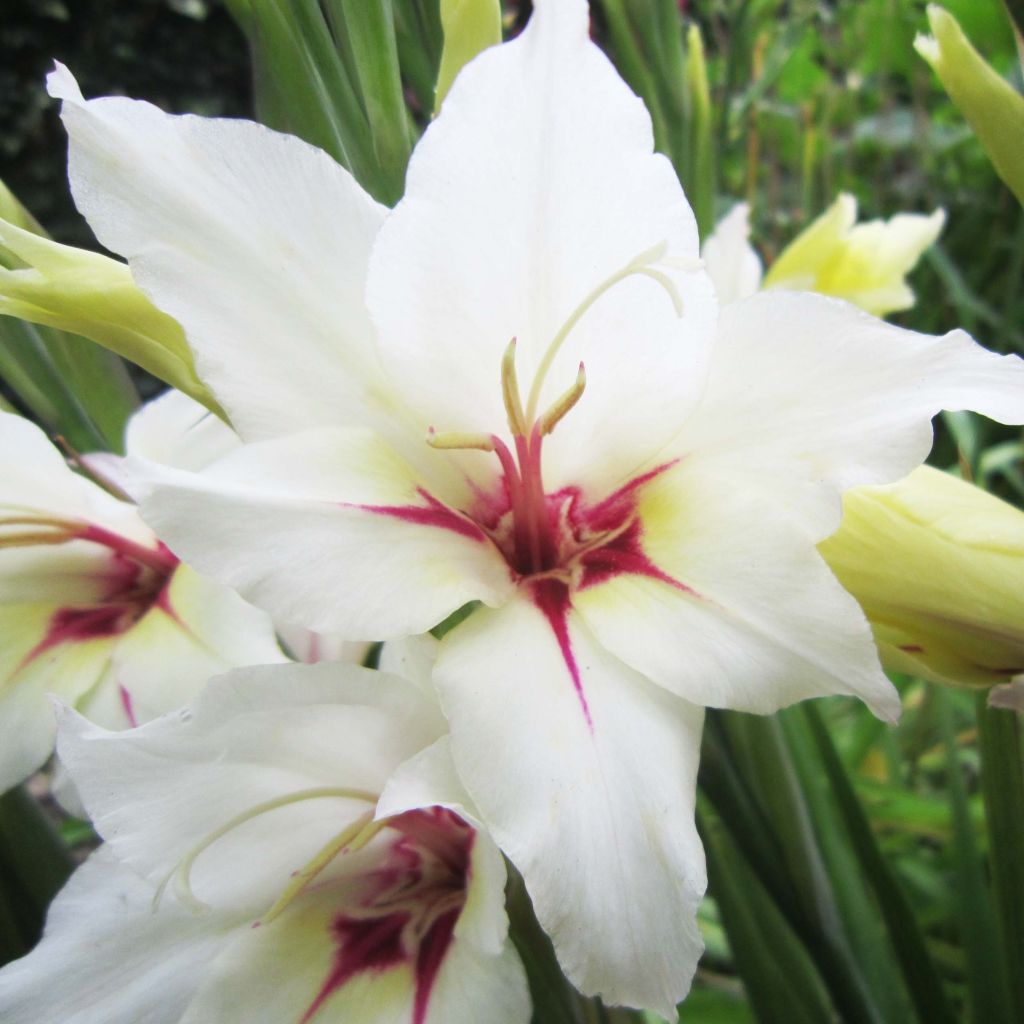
[
  {"x": 983, "y": 952},
  {"x": 1002, "y": 786}
]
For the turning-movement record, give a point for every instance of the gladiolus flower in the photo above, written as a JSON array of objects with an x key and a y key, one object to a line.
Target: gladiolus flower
[{"x": 421, "y": 432}]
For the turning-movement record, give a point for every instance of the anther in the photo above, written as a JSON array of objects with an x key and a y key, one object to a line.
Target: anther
[
  {"x": 563, "y": 403},
  {"x": 455, "y": 440},
  {"x": 510, "y": 391}
]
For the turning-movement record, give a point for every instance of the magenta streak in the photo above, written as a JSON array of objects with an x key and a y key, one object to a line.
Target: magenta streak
[
  {"x": 434, "y": 514},
  {"x": 624, "y": 555},
  {"x": 163, "y": 603},
  {"x": 551, "y": 596},
  {"x": 127, "y": 705},
  {"x": 76, "y": 625},
  {"x": 433, "y": 949},
  {"x": 364, "y": 944},
  {"x": 611, "y": 510}
]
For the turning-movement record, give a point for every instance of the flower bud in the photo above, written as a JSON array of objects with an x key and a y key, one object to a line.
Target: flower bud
[{"x": 937, "y": 564}]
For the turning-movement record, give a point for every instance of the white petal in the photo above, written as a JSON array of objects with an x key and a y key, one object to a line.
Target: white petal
[
  {"x": 730, "y": 259},
  {"x": 536, "y": 184},
  {"x": 809, "y": 396},
  {"x": 598, "y": 818},
  {"x": 763, "y": 622},
  {"x": 328, "y": 529},
  {"x": 174, "y": 430},
  {"x": 107, "y": 957},
  {"x": 472, "y": 982},
  {"x": 429, "y": 779},
  {"x": 197, "y": 630},
  {"x": 253, "y": 735},
  {"x": 411, "y": 658},
  {"x": 29, "y": 672},
  {"x": 287, "y": 971},
  {"x": 37, "y": 480},
  {"x": 256, "y": 242}
]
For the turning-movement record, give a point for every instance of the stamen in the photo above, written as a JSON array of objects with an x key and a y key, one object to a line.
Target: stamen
[
  {"x": 353, "y": 838},
  {"x": 640, "y": 264},
  {"x": 181, "y": 873},
  {"x": 564, "y": 403},
  {"x": 668, "y": 284},
  {"x": 56, "y": 530},
  {"x": 510, "y": 392},
  {"x": 460, "y": 441}
]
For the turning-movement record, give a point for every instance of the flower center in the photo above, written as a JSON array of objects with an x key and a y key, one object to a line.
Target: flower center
[
  {"x": 132, "y": 578},
  {"x": 540, "y": 533}
]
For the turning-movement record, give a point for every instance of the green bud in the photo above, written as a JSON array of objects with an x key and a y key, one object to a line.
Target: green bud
[
  {"x": 470, "y": 26},
  {"x": 994, "y": 110},
  {"x": 85, "y": 293}
]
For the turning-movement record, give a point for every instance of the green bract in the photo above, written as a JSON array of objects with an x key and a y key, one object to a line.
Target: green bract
[
  {"x": 94, "y": 296},
  {"x": 993, "y": 108}
]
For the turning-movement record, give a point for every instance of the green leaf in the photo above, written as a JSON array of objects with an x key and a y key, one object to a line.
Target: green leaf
[
  {"x": 303, "y": 87},
  {"x": 29, "y": 370},
  {"x": 979, "y": 934},
  {"x": 34, "y": 864},
  {"x": 777, "y": 974},
  {"x": 369, "y": 32},
  {"x": 1002, "y": 786},
  {"x": 992, "y": 107},
  {"x": 738, "y": 766},
  {"x": 919, "y": 973},
  {"x": 470, "y": 27},
  {"x": 701, "y": 187}
]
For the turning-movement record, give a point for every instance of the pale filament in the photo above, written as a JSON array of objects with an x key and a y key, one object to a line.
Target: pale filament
[
  {"x": 181, "y": 873},
  {"x": 535, "y": 544},
  {"x": 49, "y": 529}
]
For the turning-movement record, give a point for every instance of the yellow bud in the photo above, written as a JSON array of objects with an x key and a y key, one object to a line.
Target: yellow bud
[
  {"x": 938, "y": 567},
  {"x": 866, "y": 264}
]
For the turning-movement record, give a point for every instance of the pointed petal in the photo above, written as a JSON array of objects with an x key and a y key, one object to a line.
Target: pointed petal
[
  {"x": 106, "y": 956},
  {"x": 598, "y": 817},
  {"x": 327, "y": 529},
  {"x": 760, "y": 623},
  {"x": 251, "y": 736},
  {"x": 256, "y": 242},
  {"x": 177, "y": 431},
  {"x": 730, "y": 259},
  {"x": 809, "y": 396},
  {"x": 510, "y": 222}
]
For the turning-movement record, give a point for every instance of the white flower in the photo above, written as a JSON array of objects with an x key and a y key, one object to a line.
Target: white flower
[
  {"x": 267, "y": 859},
  {"x": 654, "y": 554},
  {"x": 95, "y": 609}
]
